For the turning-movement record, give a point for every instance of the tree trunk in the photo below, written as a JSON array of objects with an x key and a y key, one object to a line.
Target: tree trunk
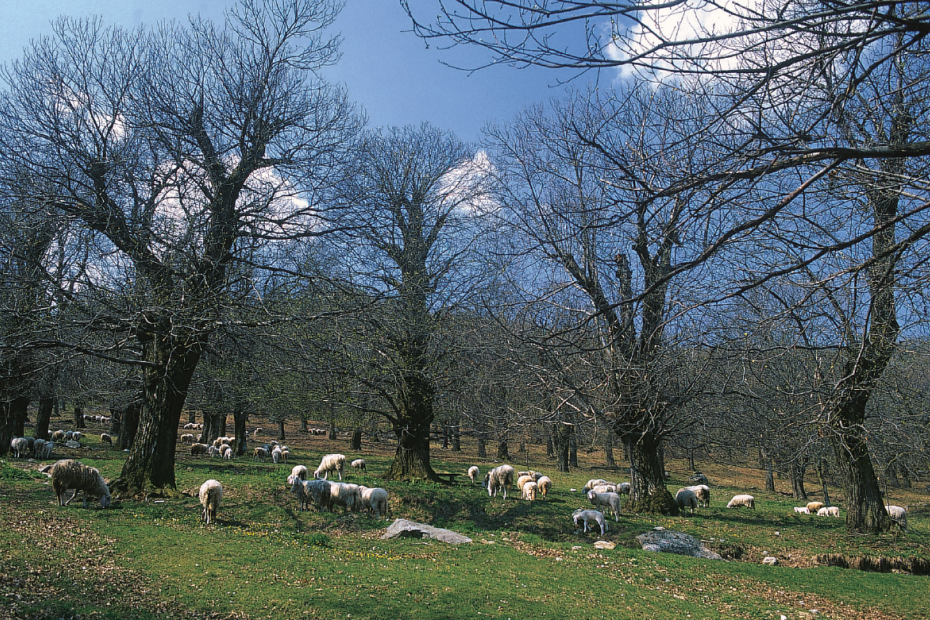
[
  {"x": 44, "y": 417},
  {"x": 6, "y": 428},
  {"x": 769, "y": 463},
  {"x": 129, "y": 426},
  {"x": 797, "y": 469},
  {"x": 573, "y": 447},
  {"x": 240, "y": 417},
  {"x": 647, "y": 476},
  {"x": 550, "y": 447},
  {"x": 562, "y": 441},
  {"x": 356, "y": 441},
  {"x": 609, "y": 449},
  {"x": 412, "y": 428},
  {"x": 691, "y": 466},
  {"x": 503, "y": 452},
  {"x": 214, "y": 425},
  {"x": 303, "y": 424},
  {"x": 79, "y": 418},
  {"x": 482, "y": 447},
  {"x": 821, "y": 475},
  {"x": 281, "y": 435},
  {"x": 19, "y": 410},
  {"x": 865, "y": 507},
  {"x": 456, "y": 437}
]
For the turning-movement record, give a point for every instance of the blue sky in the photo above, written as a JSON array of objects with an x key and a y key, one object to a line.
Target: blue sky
[{"x": 389, "y": 72}]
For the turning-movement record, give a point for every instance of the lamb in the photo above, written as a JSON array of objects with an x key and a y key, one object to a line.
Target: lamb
[
  {"x": 331, "y": 463},
  {"x": 473, "y": 473},
  {"x": 300, "y": 472},
  {"x": 104, "y": 438},
  {"x": 276, "y": 455},
  {"x": 211, "y": 494},
  {"x": 499, "y": 479},
  {"x": 374, "y": 500},
  {"x": 259, "y": 454},
  {"x": 814, "y": 507},
  {"x": 284, "y": 454},
  {"x": 344, "y": 494},
  {"x": 199, "y": 448},
  {"x": 70, "y": 474},
  {"x": 359, "y": 464},
  {"x": 739, "y": 501},
  {"x": 545, "y": 485},
  {"x": 226, "y": 452},
  {"x": 529, "y": 491},
  {"x": 802, "y": 510},
  {"x": 588, "y": 516},
  {"x": 20, "y": 447},
  {"x": 829, "y": 511},
  {"x": 45, "y": 451},
  {"x": 702, "y": 492},
  {"x": 590, "y": 484},
  {"x": 76, "y": 436},
  {"x": 611, "y": 500},
  {"x": 897, "y": 515},
  {"x": 522, "y": 480}
]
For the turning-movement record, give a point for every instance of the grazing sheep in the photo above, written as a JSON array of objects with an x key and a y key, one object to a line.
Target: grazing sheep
[
  {"x": 535, "y": 475},
  {"x": 299, "y": 472},
  {"x": 104, "y": 438},
  {"x": 529, "y": 491},
  {"x": 697, "y": 478},
  {"x": 359, "y": 464},
  {"x": 802, "y": 510},
  {"x": 20, "y": 447},
  {"x": 624, "y": 488},
  {"x": 739, "y": 501},
  {"x": 605, "y": 488},
  {"x": 259, "y": 454},
  {"x": 331, "y": 463},
  {"x": 588, "y": 516},
  {"x": 590, "y": 484},
  {"x": 373, "y": 500},
  {"x": 200, "y": 448},
  {"x": 211, "y": 494},
  {"x": 473, "y": 473},
  {"x": 311, "y": 491},
  {"x": 702, "y": 492},
  {"x": 258, "y": 431},
  {"x": 610, "y": 500},
  {"x": 76, "y": 436},
  {"x": 343, "y": 494},
  {"x": 32, "y": 444},
  {"x": 58, "y": 436},
  {"x": 814, "y": 507},
  {"x": 45, "y": 450},
  {"x": 276, "y": 455},
  {"x": 829, "y": 511},
  {"x": 301, "y": 491},
  {"x": 686, "y": 498},
  {"x": 226, "y": 452},
  {"x": 499, "y": 479},
  {"x": 284, "y": 454},
  {"x": 522, "y": 480},
  {"x": 898, "y": 515},
  {"x": 70, "y": 474},
  {"x": 545, "y": 485}
]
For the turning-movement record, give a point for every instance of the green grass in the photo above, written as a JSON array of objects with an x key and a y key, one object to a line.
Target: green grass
[{"x": 264, "y": 559}]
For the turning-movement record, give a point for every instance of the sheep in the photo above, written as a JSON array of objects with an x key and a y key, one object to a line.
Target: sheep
[
  {"x": 802, "y": 510},
  {"x": 199, "y": 448},
  {"x": 473, "y": 473},
  {"x": 258, "y": 431},
  {"x": 284, "y": 454},
  {"x": 611, "y": 500},
  {"x": 20, "y": 447},
  {"x": 76, "y": 436},
  {"x": 299, "y": 472},
  {"x": 814, "y": 507},
  {"x": 211, "y": 494},
  {"x": 522, "y": 480},
  {"x": 226, "y": 452},
  {"x": 300, "y": 491},
  {"x": 276, "y": 455},
  {"x": 70, "y": 474},
  {"x": 829, "y": 511},
  {"x": 104, "y": 438},
  {"x": 588, "y": 516},
  {"x": 623, "y": 488},
  {"x": 590, "y": 484},
  {"x": 897, "y": 515},
  {"x": 344, "y": 494},
  {"x": 499, "y": 479},
  {"x": 259, "y": 454},
  {"x": 31, "y": 441},
  {"x": 739, "y": 501},
  {"x": 330, "y": 463},
  {"x": 310, "y": 491},
  {"x": 374, "y": 500},
  {"x": 529, "y": 491},
  {"x": 686, "y": 498},
  {"x": 359, "y": 464},
  {"x": 605, "y": 488},
  {"x": 58, "y": 436},
  {"x": 535, "y": 475},
  {"x": 702, "y": 492},
  {"x": 544, "y": 484},
  {"x": 45, "y": 451}
]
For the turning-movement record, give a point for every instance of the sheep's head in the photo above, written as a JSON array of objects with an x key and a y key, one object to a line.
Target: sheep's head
[{"x": 105, "y": 500}]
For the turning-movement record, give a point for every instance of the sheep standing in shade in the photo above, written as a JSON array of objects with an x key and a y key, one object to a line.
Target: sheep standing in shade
[
  {"x": 187, "y": 438},
  {"x": 45, "y": 451},
  {"x": 702, "y": 492},
  {"x": 311, "y": 492},
  {"x": 211, "y": 494},
  {"x": 590, "y": 515},
  {"x": 58, "y": 436},
  {"x": 739, "y": 501},
  {"x": 529, "y": 491},
  {"x": 545, "y": 485},
  {"x": 829, "y": 511},
  {"x": 498, "y": 479},
  {"x": 623, "y": 488},
  {"x": 70, "y": 474},
  {"x": 359, "y": 464},
  {"x": 813, "y": 507},
  {"x": 300, "y": 472},
  {"x": 331, "y": 463},
  {"x": 686, "y": 498},
  {"x": 104, "y": 438},
  {"x": 77, "y": 436},
  {"x": 898, "y": 515},
  {"x": 199, "y": 449},
  {"x": 608, "y": 500},
  {"x": 226, "y": 452},
  {"x": 259, "y": 454},
  {"x": 373, "y": 500},
  {"x": 473, "y": 473},
  {"x": 301, "y": 492},
  {"x": 522, "y": 480},
  {"x": 20, "y": 447},
  {"x": 276, "y": 455}
]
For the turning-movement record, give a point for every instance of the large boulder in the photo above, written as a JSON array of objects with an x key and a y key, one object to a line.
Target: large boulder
[
  {"x": 665, "y": 541},
  {"x": 405, "y": 528}
]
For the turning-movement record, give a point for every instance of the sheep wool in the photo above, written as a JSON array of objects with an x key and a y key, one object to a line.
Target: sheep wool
[
  {"x": 104, "y": 438},
  {"x": 344, "y": 494},
  {"x": 298, "y": 471},
  {"x": 498, "y": 479},
  {"x": 522, "y": 480},
  {"x": 624, "y": 488},
  {"x": 590, "y": 484},
  {"x": 529, "y": 491},
  {"x": 211, "y": 494},
  {"x": 20, "y": 447},
  {"x": 702, "y": 492},
  {"x": 829, "y": 511},
  {"x": 739, "y": 501},
  {"x": 814, "y": 507},
  {"x": 359, "y": 464},
  {"x": 898, "y": 515},
  {"x": 545, "y": 485},
  {"x": 590, "y": 515},
  {"x": 802, "y": 510},
  {"x": 473, "y": 473},
  {"x": 609, "y": 500},
  {"x": 686, "y": 499},
  {"x": 70, "y": 474},
  {"x": 373, "y": 500},
  {"x": 259, "y": 454},
  {"x": 331, "y": 463}
]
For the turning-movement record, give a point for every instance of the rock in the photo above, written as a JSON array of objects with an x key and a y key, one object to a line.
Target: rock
[
  {"x": 675, "y": 542},
  {"x": 604, "y": 544},
  {"x": 72, "y": 444},
  {"x": 770, "y": 560},
  {"x": 405, "y": 528},
  {"x": 698, "y": 478}
]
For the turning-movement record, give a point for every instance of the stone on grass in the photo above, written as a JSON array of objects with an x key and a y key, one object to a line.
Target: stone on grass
[
  {"x": 412, "y": 529},
  {"x": 666, "y": 541},
  {"x": 770, "y": 560}
]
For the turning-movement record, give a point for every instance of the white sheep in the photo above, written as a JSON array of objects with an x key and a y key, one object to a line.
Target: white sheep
[
  {"x": 814, "y": 507},
  {"x": 359, "y": 464},
  {"x": 802, "y": 510},
  {"x": 301, "y": 491},
  {"x": 529, "y": 491},
  {"x": 499, "y": 479},
  {"x": 331, "y": 463},
  {"x": 522, "y": 480},
  {"x": 374, "y": 500},
  {"x": 535, "y": 475},
  {"x": 276, "y": 455},
  {"x": 605, "y": 488},
  {"x": 545, "y": 485},
  {"x": 610, "y": 500},
  {"x": 104, "y": 438},
  {"x": 473, "y": 473},
  {"x": 898, "y": 515},
  {"x": 588, "y": 516},
  {"x": 343, "y": 494},
  {"x": 284, "y": 454},
  {"x": 298, "y": 471},
  {"x": 624, "y": 488},
  {"x": 211, "y": 494},
  {"x": 58, "y": 436},
  {"x": 70, "y": 474},
  {"x": 686, "y": 498},
  {"x": 829, "y": 511},
  {"x": 76, "y": 436},
  {"x": 226, "y": 452},
  {"x": 45, "y": 452},
  {"x": 702, "y": 492},
  {"x": 739, "y": 501},
  {"x": 590, "y": 484},
  {"x": 20, "y": 447},
  {"x": 311, "y": 491}
]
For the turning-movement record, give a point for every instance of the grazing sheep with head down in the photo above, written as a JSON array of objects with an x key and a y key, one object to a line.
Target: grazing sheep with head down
[
  {"x": 70, "y": 474},
  {"x": 686, "y": 498},
  {"x": 58, "y": 436},
  {"x": 702, "y": 492},
  {"x": 829, "y": 511},
  {"x": 298, "y": 471},
  {"x": 590, "y": 484},
  {"x": 331, "y": 463},
  {"x": 104, "y": 438},
  {"x": 522, "y": 480},
  {"x": 529, "y": 491},
  {"x": 343, "y": 494},
  {"x": 259, "y": 454},
  {"x": 311, "y": 491},
  {"x": 226, "y": 452},
  {"x": 590, "y": 515},
  {"x": 276, "y": 455},
  {"x": 802, "y": 510},
  {"x": 739, "y": 501},
  {"x": 498, "y": 479},
  {"x": 359, "y": 464},
  {"x": 605, "y": 488},
  {"x": 897, "y": 515},
  {"x": 373, "y": 500},
  {"x": 20, "y": 447},
  {"x": 609, "y": 500},
  {"x": 198, "y": 449},
  {"x": 473, "y": 473},
  {"x": 545, "y": 485},
  {"x": 814, "y": 507},
  {"x": 211, "y": 494}
]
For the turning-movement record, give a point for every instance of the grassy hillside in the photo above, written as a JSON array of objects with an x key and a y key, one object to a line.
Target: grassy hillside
[{"x": 264, "y": 559}]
